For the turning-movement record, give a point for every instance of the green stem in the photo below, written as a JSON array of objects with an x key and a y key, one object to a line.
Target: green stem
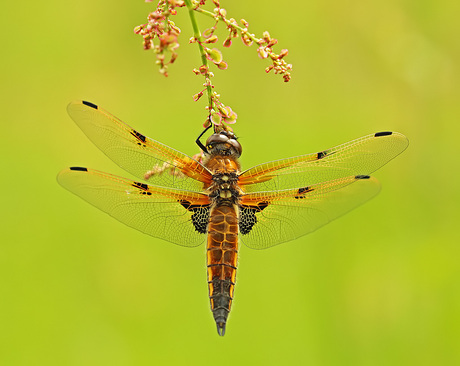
[{"x": 197, "y": 35}]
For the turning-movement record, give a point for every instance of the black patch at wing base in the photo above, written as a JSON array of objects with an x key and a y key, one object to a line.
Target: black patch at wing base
[
  {"x": 248, "y": 216},
  {"x": 200, "y": 216}
]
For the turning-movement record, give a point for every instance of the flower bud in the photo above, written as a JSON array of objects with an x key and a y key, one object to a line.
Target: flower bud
[
  {"x": 197, "y": 96},
  {"x": 208, "y": 32},
  {"x": 262, "y": 52},
  {"x": 223, "y": 65},
  {"x": 216, "y": 118},
  {"x": 246, "y": 40},
  {"x": 212, "y": 39},
  {"x": 283, "y": 53},
  {"x": 215, "y": 55}
]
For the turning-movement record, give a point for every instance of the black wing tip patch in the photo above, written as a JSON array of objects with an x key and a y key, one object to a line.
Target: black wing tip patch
[
  {"x": 384, "y": 133},
  {"x": 362, "y": 176},
  {"x": 89, "y": 104},
  {"x": 78, "y": 169}
]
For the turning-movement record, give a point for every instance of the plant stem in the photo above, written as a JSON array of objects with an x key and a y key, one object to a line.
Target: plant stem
[{"x": 197, "y": 35}]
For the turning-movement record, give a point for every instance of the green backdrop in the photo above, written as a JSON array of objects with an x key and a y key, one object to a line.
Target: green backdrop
[{"x": 380, "y": 286}]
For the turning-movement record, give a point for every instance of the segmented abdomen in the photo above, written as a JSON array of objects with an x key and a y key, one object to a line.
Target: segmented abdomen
[{"x": 222, "y": 252}]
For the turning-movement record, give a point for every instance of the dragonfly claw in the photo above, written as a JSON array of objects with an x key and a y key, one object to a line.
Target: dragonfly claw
[{"x": 221, "y": 328}]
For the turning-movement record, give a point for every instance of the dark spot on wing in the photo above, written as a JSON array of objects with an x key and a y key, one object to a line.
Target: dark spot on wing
[
  {"x": 138, "y": 135},
  {"x": 200, "y": 216},
  {"x": 144, "y": 188},
  {"x": 362, "y": 177},
  {"x": 305, "y": 190},
  {"x": 385, "y": 133},
  {"x": 89, "y": 104},
  {"x": 140, "y": 185},
  {"x": 79, "y": 169},
  {"x": 301, "y": 192},
  {"x": 321, "y": 154},
  {"x": 248, "y": 216}
]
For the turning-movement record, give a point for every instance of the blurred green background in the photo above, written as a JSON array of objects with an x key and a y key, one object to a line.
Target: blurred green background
[{"x": 380, "y": 286}]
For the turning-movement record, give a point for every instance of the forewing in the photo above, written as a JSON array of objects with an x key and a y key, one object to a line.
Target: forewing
[
  {"x": 139, "y": 155},
  {"x": 170, "y": 214},
  {"x": 271, "y": 218},
  {"x": 358, "y": 157}
]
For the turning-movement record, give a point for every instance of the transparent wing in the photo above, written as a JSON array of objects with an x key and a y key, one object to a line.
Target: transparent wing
[
  {"x": 170, "y": 214},
  {"x": 358, "y": 157},
  {"x": 271, "y": 218},
  {"x": 139, "y": 155}
]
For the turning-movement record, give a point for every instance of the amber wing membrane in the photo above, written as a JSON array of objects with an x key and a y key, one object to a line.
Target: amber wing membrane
[
  {"x": 358, "y": 157},
  {"x": 280, "y": 216},
  {"x": 157, "y": 211},
  {"x": 139, "y": 155}
]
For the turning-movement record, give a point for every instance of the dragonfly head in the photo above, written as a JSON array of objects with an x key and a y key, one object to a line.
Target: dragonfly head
[{"x": 223, "y": 143}]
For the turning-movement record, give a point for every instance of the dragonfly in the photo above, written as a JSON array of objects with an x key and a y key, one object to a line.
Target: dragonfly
[{"x": 188, "y": 201}]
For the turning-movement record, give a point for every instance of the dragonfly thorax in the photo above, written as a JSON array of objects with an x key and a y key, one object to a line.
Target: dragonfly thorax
[{"x": 224, "y": 188}]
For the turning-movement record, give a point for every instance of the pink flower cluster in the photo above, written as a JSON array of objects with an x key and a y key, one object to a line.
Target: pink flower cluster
[
  {"x": 161, "y": 34},
  {"x": 161, "y": 27},
  {"x": 279, "y": 66}
]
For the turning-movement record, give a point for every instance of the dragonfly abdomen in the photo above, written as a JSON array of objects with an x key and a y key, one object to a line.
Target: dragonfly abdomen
[{"x": 222, "y": 252}]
